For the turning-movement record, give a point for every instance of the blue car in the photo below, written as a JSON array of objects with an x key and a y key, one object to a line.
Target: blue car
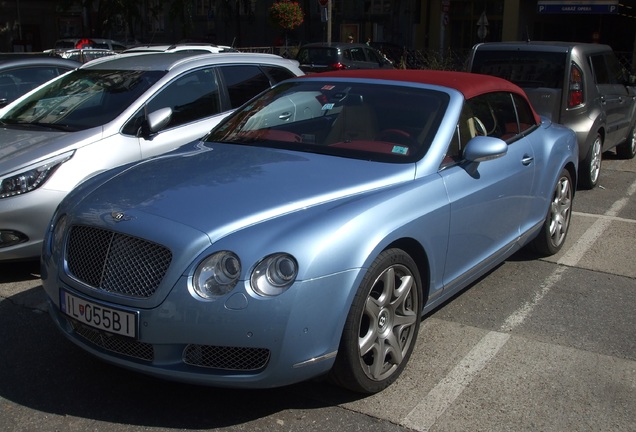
[{"x": 307, "y": 234}]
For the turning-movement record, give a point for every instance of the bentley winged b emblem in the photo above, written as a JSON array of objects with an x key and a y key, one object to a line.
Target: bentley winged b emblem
[{"x": 120, "y": 216}]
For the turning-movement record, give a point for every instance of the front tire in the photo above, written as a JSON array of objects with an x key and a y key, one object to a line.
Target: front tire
[
  {"x": 556, "y": 224},
  {"x": 382, "y": 325},
  {"x": 590, "y": 168},
  {"x": 627, "y": 150}
]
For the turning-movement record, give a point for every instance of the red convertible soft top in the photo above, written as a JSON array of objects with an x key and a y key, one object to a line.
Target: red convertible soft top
[{"x": 469, "y": 84}]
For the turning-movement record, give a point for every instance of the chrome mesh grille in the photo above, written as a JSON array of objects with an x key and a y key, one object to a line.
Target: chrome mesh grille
[
  {"x": 114, "y": 343},
  {"x": 227, "y": 358},
  {"x": 116, "y": 262}
]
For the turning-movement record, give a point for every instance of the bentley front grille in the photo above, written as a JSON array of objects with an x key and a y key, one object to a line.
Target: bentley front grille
[{"x": 115, "y": 262}]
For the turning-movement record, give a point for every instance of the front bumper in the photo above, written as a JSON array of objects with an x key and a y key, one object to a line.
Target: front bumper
[
  {"x": 241, "y": 340},
  {"x": 28, "y": 214}
]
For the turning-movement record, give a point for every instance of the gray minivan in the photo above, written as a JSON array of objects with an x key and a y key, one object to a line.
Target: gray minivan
[{"x": 582, "y": 86}]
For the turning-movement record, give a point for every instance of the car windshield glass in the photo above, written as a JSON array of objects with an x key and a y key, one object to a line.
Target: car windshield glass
[
  {"x": 530, "y": 69},
  {"x": 82, "y": 99},
  {"x": 350, "y": 119},
  {"x": 318, "y": 55}
]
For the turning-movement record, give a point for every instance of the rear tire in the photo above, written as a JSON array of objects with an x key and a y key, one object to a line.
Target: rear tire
[
  {"x": 627, "y": 150},
  {"x": 382, "y": 325},
  {"x": 590, "y": 168},
  {"x": 556, "y": 224}
]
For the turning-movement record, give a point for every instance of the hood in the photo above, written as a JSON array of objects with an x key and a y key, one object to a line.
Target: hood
[
  {"x": 221, "y": 188},
  {"x": 21, "y": 146}
]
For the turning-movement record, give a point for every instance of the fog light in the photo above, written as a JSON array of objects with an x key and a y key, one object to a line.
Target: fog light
[{"x": 11, "y": 238}]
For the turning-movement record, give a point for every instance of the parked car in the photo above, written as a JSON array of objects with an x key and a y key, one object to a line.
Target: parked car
[
  {"x": 582, "y": 86},
  {"x": 322, "y": 57},
  {"x": 188, "y": 47},
  {"x": 109, "y": 112},
  {"x": 310, "y": 230},
  {"x": 96, "y": 43},
  {"x": 21, "y": 73},
  {"x": 85, "y": 55}
]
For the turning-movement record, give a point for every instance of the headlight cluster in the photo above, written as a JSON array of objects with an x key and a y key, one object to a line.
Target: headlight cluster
[
  {"x": 273, "y": 275},
  {"x": 31, "y": 177},
  {"x": 219, "y": 273}
]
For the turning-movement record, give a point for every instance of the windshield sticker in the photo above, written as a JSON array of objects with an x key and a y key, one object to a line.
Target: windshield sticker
[
  {"x": 328, "y": 87},
  {"x": 328, "y": 106},
  {"x": 400, "y": 150}
]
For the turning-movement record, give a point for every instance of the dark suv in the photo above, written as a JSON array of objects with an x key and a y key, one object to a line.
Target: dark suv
[
  {"x": 582, "y": 86},
  {"x": 323, "y": 57}
]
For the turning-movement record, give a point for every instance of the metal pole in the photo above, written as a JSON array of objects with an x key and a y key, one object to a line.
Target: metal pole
[{"x": 329, "y": 8}]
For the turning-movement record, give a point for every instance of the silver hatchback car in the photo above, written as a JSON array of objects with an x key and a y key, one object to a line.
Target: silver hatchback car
[
  {"x": 107, "y": 113},
  {"x": 580, "y": 85}
]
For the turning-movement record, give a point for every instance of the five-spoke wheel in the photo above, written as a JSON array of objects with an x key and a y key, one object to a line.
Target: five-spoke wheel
[
  {"x": 556, "y": 224},
  {"x": 382, "y": 325}
]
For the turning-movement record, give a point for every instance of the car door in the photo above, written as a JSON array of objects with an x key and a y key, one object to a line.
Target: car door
[
  {"x": 196, "y": 107},
  {"x": 615, "y": 99},
  {"x": 489, "y": 200}
]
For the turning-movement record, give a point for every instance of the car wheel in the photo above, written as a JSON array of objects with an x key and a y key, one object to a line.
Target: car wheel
[
  {"x": 556, "y": 224},
  {"x": 381, "y": 328},
  {"x": 627, "y": 150},
  {"x": 590, "y": 168}
]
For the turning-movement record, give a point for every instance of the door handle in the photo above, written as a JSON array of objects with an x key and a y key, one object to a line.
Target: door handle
[{"x": 527, "y": 160}]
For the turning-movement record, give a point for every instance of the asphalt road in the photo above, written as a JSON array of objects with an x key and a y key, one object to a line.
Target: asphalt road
[{"x": 545, "y": 345}]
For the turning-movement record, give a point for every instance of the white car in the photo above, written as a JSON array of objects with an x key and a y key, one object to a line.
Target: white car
[
  {"x": 107, "y": 113},
  {"x": 187, "y": 47}
]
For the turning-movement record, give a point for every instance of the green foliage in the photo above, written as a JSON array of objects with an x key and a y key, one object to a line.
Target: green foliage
[{"x": 286, "y": 14}]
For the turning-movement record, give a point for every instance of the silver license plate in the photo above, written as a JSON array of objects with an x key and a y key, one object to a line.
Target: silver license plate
[{"x": 98, "y": 316}]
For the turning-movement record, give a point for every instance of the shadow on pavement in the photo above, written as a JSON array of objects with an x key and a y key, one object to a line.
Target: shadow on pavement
[{"x": 40, "y": 370}]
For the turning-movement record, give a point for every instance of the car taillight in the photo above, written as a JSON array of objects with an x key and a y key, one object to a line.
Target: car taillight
[
  {"x": 337, "y": 66},
  {"x": 575, "y": 87}
]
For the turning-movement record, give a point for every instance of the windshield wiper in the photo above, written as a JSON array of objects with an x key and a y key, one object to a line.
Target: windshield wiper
[{"x": 54, "y": 126}]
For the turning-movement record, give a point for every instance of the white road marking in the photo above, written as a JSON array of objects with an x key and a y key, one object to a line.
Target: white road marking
[
  {"x": 435, "y": 403},
  {"x": 443, "y": 395}
]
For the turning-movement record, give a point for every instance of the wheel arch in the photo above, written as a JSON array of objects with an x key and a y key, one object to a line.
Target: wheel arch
[
  {"x": 573, "y": 173},
  {"x": 419, "y": 255}
]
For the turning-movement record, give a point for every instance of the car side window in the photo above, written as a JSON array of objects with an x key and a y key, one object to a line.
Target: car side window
[
  {"x": 373, "y": 56},
  {"x": 243, "y": 82},
  {"x": 191, "y": 97},
  {"x": 460, "y": 138},
  {"x": 601, "y": 73},
  {"x": 278, "y": 74},
  {"x": 501, "y": 115},
  {"x": 524, "y": 113},
  {"x": 494, "y": 115},
  {"x": 357, "y": 54},
  {"x": 617, "y": 73}
]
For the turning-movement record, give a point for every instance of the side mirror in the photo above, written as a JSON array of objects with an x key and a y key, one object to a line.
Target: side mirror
[
  {"x": 483, "y": 148},
  {"x": 156, "y": 121}
]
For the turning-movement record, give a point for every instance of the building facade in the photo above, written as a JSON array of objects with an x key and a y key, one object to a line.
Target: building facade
[{"x": 438, "y": 25}]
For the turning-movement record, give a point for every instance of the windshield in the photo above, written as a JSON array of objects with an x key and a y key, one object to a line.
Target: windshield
[
  {"x": 528, "y": 69},
  {"x": 82, "y": 99},
  {"x": 371, "y": 121}
]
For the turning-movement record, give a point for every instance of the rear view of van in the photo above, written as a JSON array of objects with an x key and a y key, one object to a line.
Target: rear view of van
[{"x": 582, "y": 86}]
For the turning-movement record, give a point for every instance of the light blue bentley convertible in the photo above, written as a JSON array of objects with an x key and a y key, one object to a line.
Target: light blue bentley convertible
[{"x": 309, "y": 232}]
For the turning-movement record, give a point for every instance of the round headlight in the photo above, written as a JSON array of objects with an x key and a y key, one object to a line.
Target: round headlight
[
  {"x": 274, "y": 275},
  {"x": 217, "y": 275}
]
